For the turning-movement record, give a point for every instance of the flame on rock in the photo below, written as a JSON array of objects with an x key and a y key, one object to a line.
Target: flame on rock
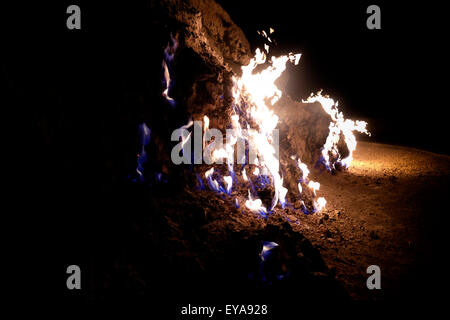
[
  {"x": 255, "y": 205},
  {"x": 212, "y": 182},
  {"x": 144, "y": 136},
  {"x": 169, "y": 54},
  {"x": 229, "y": 182},
  {"x": 314, "y": 186},
  {"x": 254, "y": 121},
  {"x": 254, "y": 94},
  {"x": 337, "y": 126},
  {"x": 266, "y": 249}
]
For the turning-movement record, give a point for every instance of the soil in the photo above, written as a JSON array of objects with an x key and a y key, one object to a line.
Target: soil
[{"x": 381, "y": 211}]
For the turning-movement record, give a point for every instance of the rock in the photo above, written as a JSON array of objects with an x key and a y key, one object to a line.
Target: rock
[
  {"x": 328, "y": 234},
  {"x": 209, "y": 49},
  {"x": 207, "y": 29},
  {"x": 303, "y": 128}
]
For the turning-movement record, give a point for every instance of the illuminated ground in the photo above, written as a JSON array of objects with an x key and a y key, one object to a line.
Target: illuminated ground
[{"x": 382, "y": 211}]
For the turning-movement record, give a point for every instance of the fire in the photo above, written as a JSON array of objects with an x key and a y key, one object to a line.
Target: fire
[
  {"x": 314, "y": 186},
  {"x": 255, "y": 205},
  {"x": 229, "y": 182},
  {"x": 338, "y": 125},
  {"x": 169, "y": 53},
  {"x": 212, "y": 182},
  {"x": 254, "y": 94},
  {"x": 254, "y": 121},
  {"x": 144, "y": 134}
]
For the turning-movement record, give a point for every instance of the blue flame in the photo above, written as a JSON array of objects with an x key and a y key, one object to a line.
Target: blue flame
[
  {"x": 266, "y": 275},
  {"x": 306, "y": 211},
  {"x": 144, "y": 139},
  {"x": 266, "y": 251},
  {"x": 168, "y": 79},
  {"x": 200, "y": 182}
]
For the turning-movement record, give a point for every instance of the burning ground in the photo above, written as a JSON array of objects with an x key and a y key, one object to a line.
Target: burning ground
[{"x": 306, "y": 227}]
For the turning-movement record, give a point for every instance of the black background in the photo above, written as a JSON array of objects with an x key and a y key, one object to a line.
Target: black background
[{"x": 63, "y": 84}]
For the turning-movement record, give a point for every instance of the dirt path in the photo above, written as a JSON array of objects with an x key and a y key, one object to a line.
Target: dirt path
[{"x": 381, "y": 211}]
